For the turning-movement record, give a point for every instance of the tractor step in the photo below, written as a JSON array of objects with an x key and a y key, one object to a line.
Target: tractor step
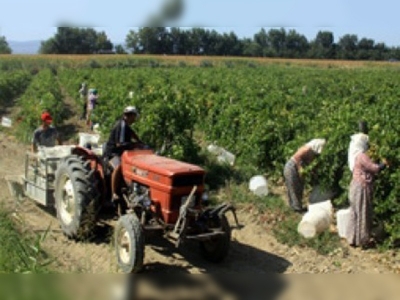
[
  {"x": 173, "y": 236},
  {"x": 155, "y": 227}
]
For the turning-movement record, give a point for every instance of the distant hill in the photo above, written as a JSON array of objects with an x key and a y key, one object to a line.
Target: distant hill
[{"x": 26, "y": 47}]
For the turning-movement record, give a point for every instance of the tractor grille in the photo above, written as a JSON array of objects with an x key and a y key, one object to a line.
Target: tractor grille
[
  {"x": 188, "y": 180},
  {"x": 177, "y": 201}
]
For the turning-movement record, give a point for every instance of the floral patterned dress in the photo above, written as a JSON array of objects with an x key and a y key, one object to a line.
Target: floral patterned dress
[{"x": 358, "y": 232}]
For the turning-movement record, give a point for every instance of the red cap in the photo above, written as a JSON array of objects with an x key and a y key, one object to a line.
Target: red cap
[{"x": 46, "y": 117}]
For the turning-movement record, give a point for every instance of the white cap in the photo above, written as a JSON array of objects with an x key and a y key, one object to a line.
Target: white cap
[{"x": 131, "y": 110}]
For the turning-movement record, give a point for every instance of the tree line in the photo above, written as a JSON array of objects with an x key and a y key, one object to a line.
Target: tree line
[{"x": 276, "y": 42}]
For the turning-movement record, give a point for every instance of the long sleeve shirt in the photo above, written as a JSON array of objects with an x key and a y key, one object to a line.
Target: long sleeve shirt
[{"x": 364, "y": 169}]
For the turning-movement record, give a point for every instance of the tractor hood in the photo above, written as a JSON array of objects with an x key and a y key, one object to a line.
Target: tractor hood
[{"x": 147, "y": 161}]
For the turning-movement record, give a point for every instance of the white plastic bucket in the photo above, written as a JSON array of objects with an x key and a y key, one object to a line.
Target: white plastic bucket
[
  {"x": 96, "y": 128},
  {"x": 214, "y": 149},
  {"x": 325, "y": 205},
  {"x": 226, "y": 157},
  {"x": 307, "y": 228},
  {"x": 58, "y": 151},
  {"x": 6, "y": 122},
  {"x": 342, "y": 221},
  {"x": 85, "y": 138},
  {"x": 316, "y": 220},
  {"x": 259, "y": 185},
  {"x": 223, "y": 156}
]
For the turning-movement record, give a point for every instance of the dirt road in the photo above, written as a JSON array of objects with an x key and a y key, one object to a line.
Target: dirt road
[{"x": 254, "y": 250}]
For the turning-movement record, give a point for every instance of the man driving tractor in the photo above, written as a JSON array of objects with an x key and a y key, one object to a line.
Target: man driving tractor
[
  {"x": 120, "y": 139},
  {"x": 171, "y": 200}
]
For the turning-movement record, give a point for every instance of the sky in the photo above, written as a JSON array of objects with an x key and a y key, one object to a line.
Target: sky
[{"x": 26, "y": 20}]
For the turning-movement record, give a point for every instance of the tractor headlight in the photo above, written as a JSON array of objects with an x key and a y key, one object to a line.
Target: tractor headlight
[{"x": 147, "y": 202}]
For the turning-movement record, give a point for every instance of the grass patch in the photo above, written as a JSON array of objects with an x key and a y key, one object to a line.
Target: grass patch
[
  {"x": 278, "y": 218},
  {"x": 20, "y": 253}
]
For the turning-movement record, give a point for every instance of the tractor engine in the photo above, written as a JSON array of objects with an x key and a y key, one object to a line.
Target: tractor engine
[
  {"x": 139, "y": 196},
  {"x": 161, "y": 184}
]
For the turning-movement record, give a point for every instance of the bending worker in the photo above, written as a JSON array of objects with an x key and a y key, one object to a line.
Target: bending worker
[{"x": 293, "y": 169}]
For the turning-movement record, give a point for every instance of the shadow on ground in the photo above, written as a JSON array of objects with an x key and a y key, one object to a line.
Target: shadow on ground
[
  {"x": 246, "y": 273},
  {"x": 183, "y": 286},
  {"x": 242, "y": 258}
]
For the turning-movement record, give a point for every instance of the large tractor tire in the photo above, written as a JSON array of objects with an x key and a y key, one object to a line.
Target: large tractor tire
[
  {"x": 216, "y": 249},
  {"x": 76, "y": 197},
  {"x": 129, "y": 244}
]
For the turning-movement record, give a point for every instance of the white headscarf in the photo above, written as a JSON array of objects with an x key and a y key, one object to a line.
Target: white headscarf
[
  {"x": 316, "y": 145},
  {"x": 358, "y": 144}
]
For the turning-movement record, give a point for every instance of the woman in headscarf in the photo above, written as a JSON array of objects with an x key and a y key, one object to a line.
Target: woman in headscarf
[
  {"x": 358, "y": 232},
  {"x": 362, "y": 130},
  {"x": 292, "y": 171}
]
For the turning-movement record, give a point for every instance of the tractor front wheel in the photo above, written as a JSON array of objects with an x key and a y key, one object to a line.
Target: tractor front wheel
[
  {"x": 216, "y": 249},
  {"x": 129, "y": 244}
]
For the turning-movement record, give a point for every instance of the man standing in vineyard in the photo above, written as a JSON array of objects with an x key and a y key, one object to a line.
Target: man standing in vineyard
[
  {"x": 83, "y": 93},
  {"x": 293, "y": 171},
  {"x": 91, "y": 104},
  {"x": 120, "y": 139},
  {"x": 46, "y": 135}
]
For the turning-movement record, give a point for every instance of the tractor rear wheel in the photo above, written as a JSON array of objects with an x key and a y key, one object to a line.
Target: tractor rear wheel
[
  {"x": 129, "y": 244},
  {"x": 76, "y": 198},
  {"x": 216, "y": 249}
]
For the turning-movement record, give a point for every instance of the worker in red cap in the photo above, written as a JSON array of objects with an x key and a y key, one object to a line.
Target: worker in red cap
[{"x": 45, "y": 135}]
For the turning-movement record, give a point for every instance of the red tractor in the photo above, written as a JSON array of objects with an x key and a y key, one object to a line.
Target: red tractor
[{"x": 158, "y": 194}]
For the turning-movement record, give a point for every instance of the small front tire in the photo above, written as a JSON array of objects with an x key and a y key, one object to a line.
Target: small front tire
[{"x": 129, "y": 244}]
